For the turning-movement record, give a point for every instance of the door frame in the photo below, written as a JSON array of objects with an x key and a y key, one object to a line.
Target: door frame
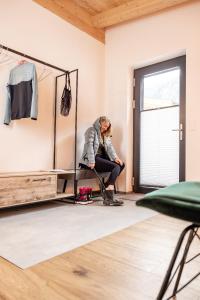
[{"x": 138, "y": 76}]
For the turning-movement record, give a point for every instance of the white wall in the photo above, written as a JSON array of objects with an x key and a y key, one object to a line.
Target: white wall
[
  {"x": 29, "y": 28},
  {"x": 142, "y": 42}
]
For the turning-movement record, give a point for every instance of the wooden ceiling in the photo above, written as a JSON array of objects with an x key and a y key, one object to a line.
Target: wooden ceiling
[{"x": 94, "y": 16}]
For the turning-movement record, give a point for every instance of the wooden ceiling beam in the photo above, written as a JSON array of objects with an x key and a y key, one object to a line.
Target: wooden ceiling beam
[
  {"x": 94, "y": 6},
  {"x": 74, "y": 14},
  {"x": 132, "y": 10}
]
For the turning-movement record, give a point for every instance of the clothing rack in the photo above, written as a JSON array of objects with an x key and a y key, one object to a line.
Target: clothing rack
[
  {"x": 75, "y": 129},
  {"x": 55, "y": 105}
]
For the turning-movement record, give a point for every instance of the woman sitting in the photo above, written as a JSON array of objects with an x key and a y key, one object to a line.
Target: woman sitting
[{"x": 100, "y": 154}]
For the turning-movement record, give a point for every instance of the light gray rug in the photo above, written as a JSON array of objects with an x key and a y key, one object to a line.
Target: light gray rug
[{"x": 32, "y": 234}]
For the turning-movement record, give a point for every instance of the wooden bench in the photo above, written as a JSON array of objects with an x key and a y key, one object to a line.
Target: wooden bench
[
  {"x": 17, "y": 188},
  {"x": 81, "y": 174}
]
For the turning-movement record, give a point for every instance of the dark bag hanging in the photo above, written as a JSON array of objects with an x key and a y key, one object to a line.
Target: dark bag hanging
[{"x": 66, "y": 99}]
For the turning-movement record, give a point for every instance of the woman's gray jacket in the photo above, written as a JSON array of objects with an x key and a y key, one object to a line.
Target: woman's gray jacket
[{"x": 92, "y": 141}]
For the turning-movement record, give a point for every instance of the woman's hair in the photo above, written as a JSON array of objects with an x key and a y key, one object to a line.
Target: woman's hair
[{"x": 108, "y": 131}]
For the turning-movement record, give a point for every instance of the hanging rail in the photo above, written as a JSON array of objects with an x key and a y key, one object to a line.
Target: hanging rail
[{"x": 32, "y": 58}]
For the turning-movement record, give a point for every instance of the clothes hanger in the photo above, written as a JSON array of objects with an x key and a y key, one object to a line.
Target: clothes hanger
[
  {"x": 42, "y": 76},
  {"x": 5, "y": 57},
  {"x": 22, "y": 60},
  {"x": 8, "y": 58}
]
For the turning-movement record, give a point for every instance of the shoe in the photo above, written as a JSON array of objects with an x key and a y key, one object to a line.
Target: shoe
[
  {"x": 84, "y": 202},
  {"x": 109, "y": 199},
  {"x": 84, "y": 196}
]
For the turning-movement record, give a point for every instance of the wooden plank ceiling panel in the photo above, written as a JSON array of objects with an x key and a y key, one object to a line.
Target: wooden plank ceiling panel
[
  {"x": 96, "y": 6},
  {"x": 132, "y": 10}
]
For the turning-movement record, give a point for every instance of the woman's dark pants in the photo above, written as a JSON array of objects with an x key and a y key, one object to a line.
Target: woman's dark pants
[{"x": 105, "y": 165}]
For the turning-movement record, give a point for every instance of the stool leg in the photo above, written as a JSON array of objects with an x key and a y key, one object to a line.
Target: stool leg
[
  {"x": 166, "y": 281},
  {"x": 190, "y": 239}
]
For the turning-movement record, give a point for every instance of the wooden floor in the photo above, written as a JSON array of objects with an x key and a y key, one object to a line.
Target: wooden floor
[{"x": 127, "y": 265}]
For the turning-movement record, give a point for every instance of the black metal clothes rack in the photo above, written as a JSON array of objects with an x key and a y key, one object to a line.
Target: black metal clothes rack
[
  {"x": 55, "y": 106},
  {"x": 75, "y": 129}
]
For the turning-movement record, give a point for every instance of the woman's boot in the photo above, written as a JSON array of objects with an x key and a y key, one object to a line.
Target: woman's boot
[{"x": 110, "y": 200}]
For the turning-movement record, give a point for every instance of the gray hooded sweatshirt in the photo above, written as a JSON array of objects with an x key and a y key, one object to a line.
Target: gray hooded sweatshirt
[
  {"x": 22, "y": 94},
  {"x": 92, "y": 141}
]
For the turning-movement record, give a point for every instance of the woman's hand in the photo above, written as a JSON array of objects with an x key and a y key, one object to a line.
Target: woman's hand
[
  {"x": 91, "y": 166},
  {"x": 118, "y": 161}
]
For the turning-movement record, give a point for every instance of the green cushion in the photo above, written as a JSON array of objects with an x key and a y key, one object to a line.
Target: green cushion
[{"x": 181, "y": 200}]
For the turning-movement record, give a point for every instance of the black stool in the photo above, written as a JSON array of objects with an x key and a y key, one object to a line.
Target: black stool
[{"x": 180, "y": 201}]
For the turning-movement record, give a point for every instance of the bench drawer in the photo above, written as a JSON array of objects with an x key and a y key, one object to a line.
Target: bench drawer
[{"x": 22, "y": 189}]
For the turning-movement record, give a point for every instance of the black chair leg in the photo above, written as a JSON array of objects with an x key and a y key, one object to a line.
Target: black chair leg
[
  {"x": 64, "y": 185},
  {"x": 75, "y": 188},
  {"x": 168, "y": 277},
  {"x": 115, "y": 190}
]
